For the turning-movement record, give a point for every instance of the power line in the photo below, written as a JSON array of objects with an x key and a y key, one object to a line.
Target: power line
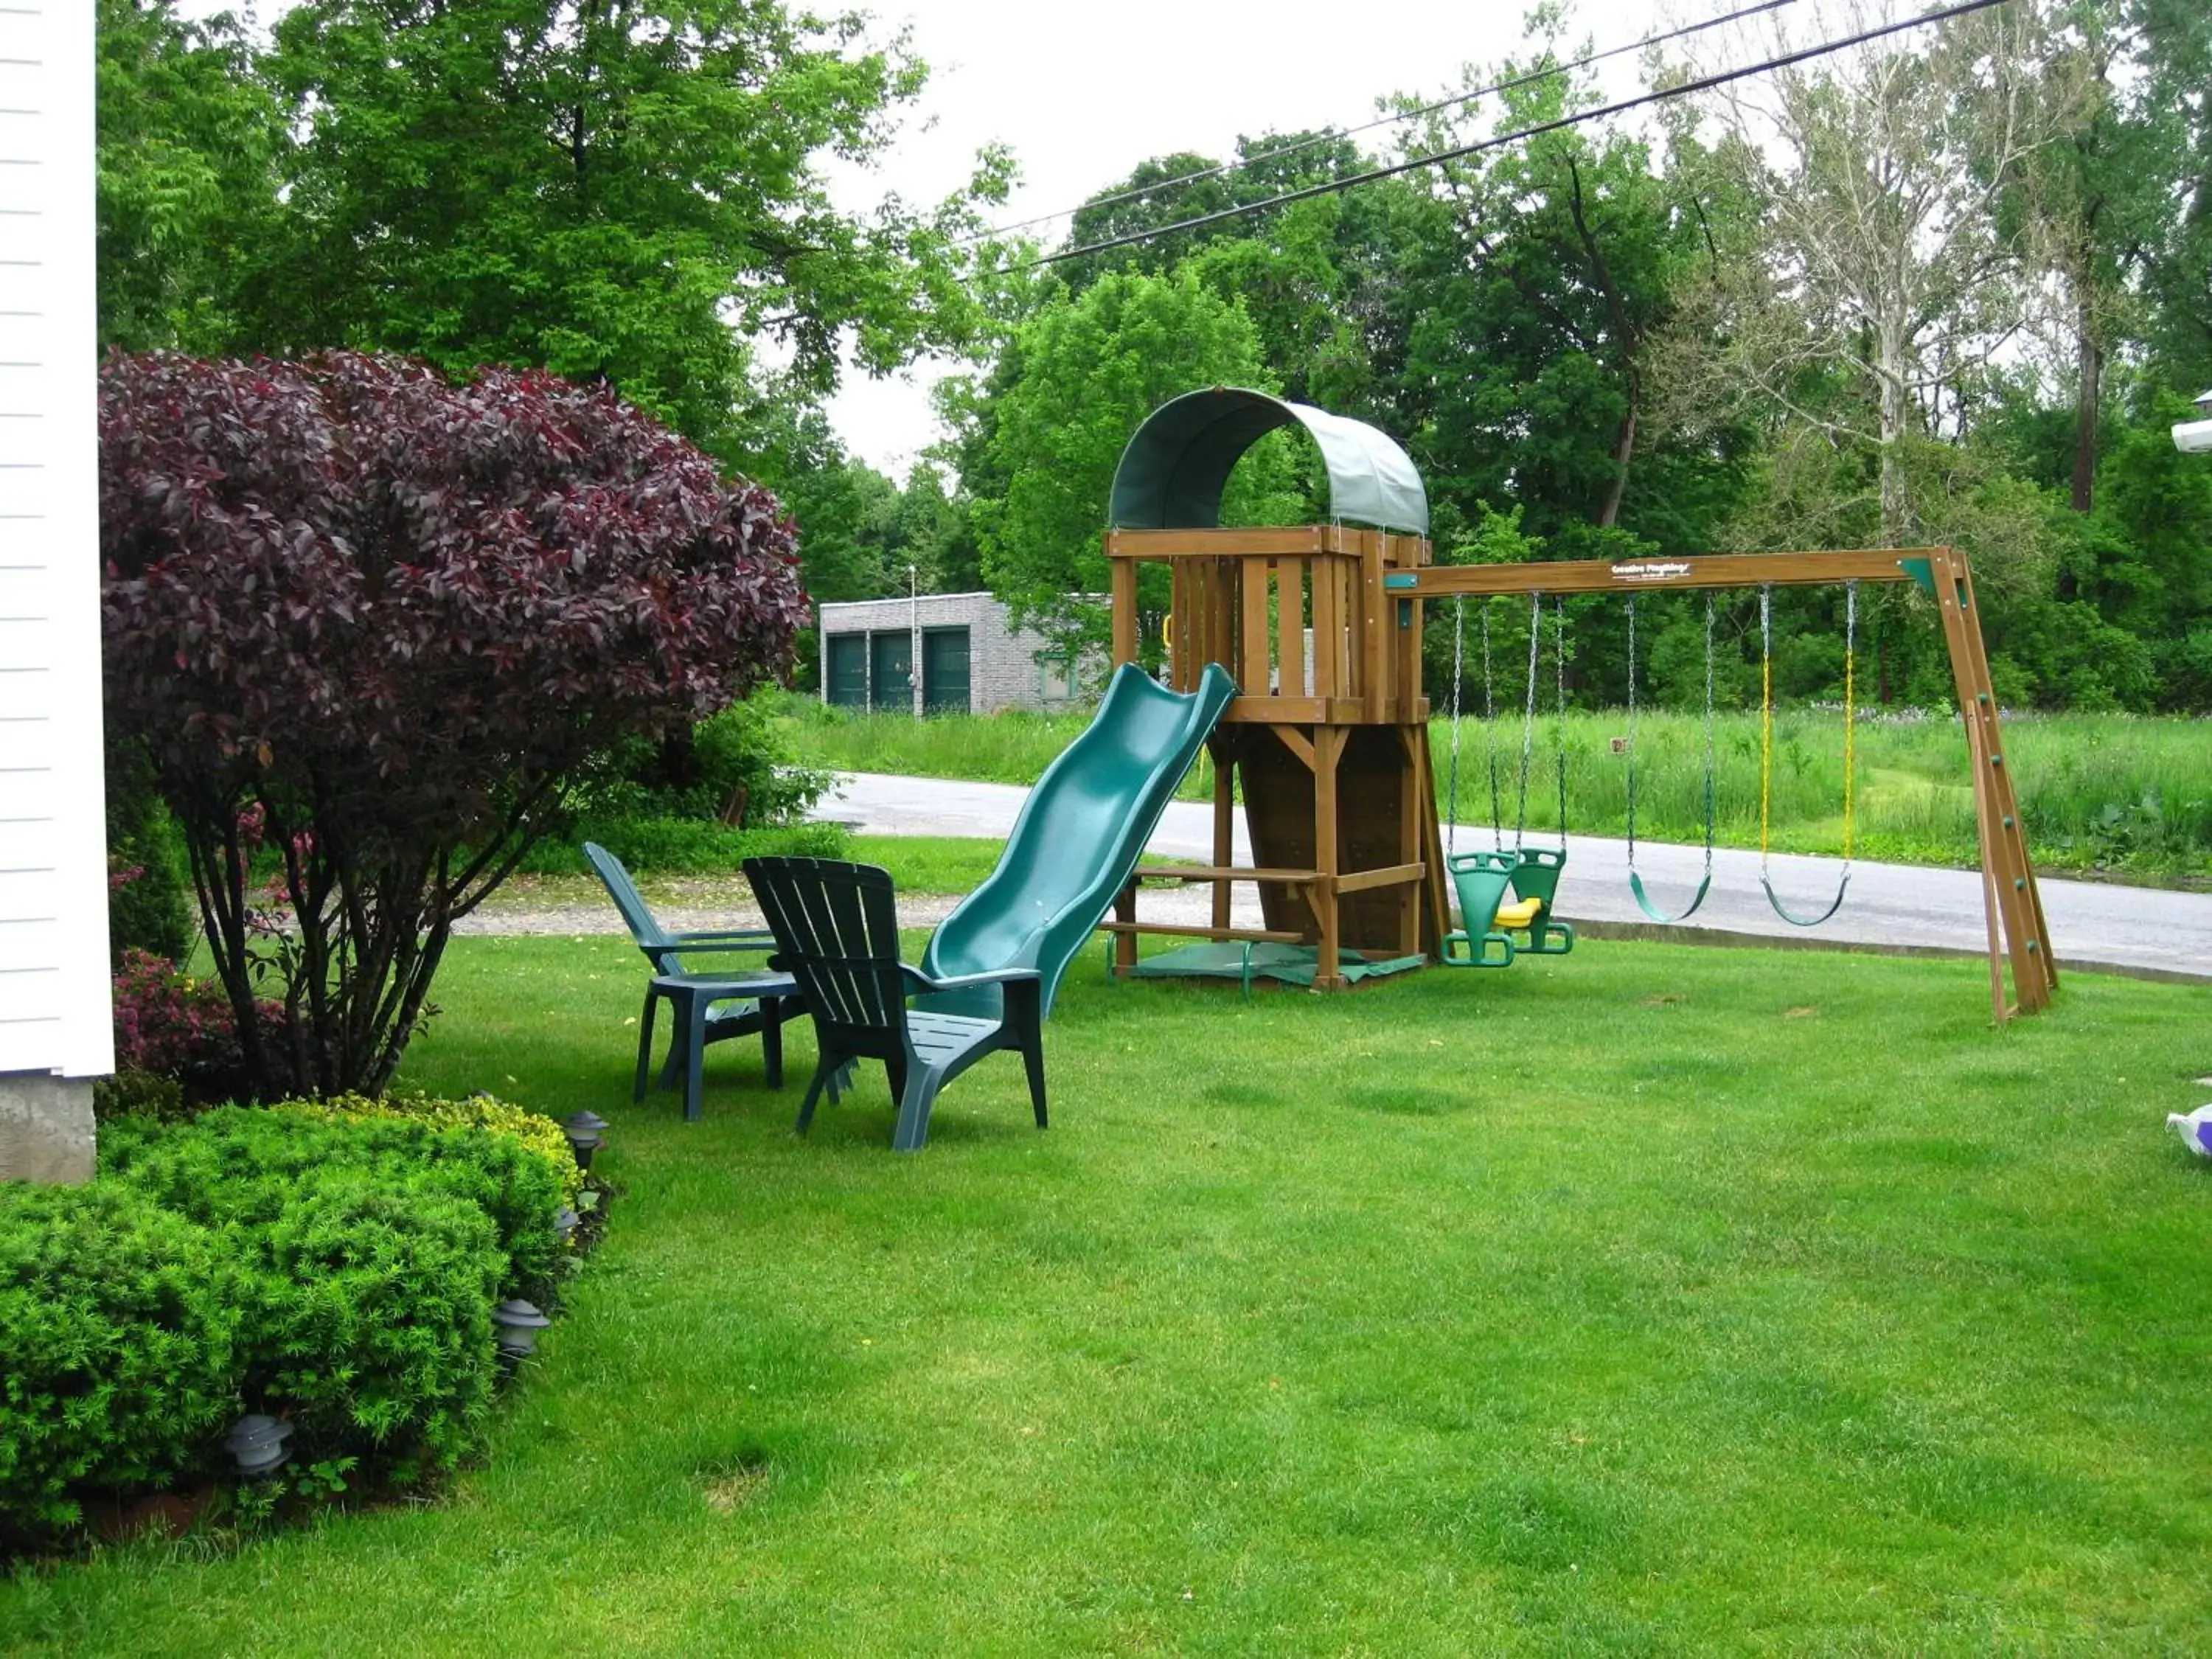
[
  {"x": 1704, "y": 84},
  {"x": 1512, "y": 83}
]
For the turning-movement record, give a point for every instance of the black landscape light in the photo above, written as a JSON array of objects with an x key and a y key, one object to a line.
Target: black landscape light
[
  {"x": 257, "y": 1444},
  {"x": 586, "y": 1132},
  {"x": 518, "y": 1323}
]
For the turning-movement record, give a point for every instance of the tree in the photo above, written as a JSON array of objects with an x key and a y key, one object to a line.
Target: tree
[
  {"x": 626, "y": 190},
  {"x": 1092, "y": 366},
  {"x": 1312, "y": 275},
  {"x": 2176, "y": 60},
  {"x": 1891, "y": 280},
  {"x": 1535, "y": 286},
  {"x": 368, "y": 624},
  {"x": 188, "y": 151}
]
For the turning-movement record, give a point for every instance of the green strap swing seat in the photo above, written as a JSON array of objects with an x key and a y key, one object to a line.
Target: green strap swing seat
[
  {"x": 1766, "y": 750},
  {"x": 1636, "y": 887},
  {"x": 1643, "y": 900},
  {"x": 1492, "y": 933}
]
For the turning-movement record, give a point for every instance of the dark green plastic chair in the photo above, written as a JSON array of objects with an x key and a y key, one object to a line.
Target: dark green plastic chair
[
  {"x": 707, "y": 1006},
  {"x": 1480, "y": 879},
  {"x": 837, "y": 935}
]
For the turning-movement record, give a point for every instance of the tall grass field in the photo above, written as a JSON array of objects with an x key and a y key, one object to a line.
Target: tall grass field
[{"x": 2097, "y": 792}]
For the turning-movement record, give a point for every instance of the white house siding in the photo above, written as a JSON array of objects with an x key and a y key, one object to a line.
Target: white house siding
[
  {"x": 55, "y": 1032},
  {"x": 1003, "y": 670}
]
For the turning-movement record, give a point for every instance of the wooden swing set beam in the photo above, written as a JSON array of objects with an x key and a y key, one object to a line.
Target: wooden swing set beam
[{"x": 1632, "y": 575}]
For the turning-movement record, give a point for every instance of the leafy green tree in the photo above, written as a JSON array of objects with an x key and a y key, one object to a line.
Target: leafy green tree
[
  {"x": 625, "y": 190},
  {"x": 1091, "y": 367},
  {"x": 188, "y": 152},
  {"x": 2175, "y": 63},
  {"x": 1537, "y": 285},
  {"x": 1312, "y": 275}
]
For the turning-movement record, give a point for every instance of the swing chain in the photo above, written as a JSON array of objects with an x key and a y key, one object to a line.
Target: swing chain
[
  {"x": 1850, "y": 714},
  {"x": 1559, "y": 664},
  {"x": 1711, "y": 755},
  {"x": 1528, "y": 715},
  {"x": 1713, "y": 816},
  {"x": 1765, "y": 719},
  {"x": 1490, "y": 737},
  {"x": 1766, "y": 747},
  {"x": 1459, "y": 669},
  {"x": 1631, "y": 731}
]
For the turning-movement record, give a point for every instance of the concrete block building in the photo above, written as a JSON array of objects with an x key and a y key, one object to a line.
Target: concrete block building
[{"x": 941, "y": 653}]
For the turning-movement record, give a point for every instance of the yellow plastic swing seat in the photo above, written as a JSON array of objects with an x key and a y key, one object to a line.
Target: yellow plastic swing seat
[{"x": 1512, "y": 917}]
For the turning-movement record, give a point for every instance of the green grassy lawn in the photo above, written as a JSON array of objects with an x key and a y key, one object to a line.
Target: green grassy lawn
[
  {"x": 1648, "y": 1300},
  {"x": 932, "y": 864}
]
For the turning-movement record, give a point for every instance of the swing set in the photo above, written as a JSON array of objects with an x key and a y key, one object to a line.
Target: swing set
[
  {"x": 1482, "y": 878},
  {"x": 2016, "y": 933},
  {"x": 1325, "y": 748}
]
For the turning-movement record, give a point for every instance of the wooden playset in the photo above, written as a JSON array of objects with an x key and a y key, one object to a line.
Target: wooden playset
[{"x": 1328, "y": 738}]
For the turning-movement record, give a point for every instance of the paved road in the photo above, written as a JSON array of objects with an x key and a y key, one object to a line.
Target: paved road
[{"x": 2129, "y": 927}]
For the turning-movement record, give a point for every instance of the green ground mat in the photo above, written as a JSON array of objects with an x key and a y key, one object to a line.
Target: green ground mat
[{"x": 1292, "y": 963}]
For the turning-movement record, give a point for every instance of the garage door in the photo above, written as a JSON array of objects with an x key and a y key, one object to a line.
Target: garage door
[
  {"x": 945, "y": 671},
  {"x": 890, "y": 658},
  {"x": 848, "y": 670}
]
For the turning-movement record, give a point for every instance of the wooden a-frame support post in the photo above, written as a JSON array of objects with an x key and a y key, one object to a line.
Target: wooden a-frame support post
[{"x": 2012, "y": 904}]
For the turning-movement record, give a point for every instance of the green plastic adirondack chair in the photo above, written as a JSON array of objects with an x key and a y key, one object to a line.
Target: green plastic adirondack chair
[
  {"x": 742, "y": 1011},
  {"x": 837, "y": 935},
  {"x": 1480, "y": 879}
]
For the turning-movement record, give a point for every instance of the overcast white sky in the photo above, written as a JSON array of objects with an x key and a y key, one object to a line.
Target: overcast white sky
[{"x": 1082, "y": 95}]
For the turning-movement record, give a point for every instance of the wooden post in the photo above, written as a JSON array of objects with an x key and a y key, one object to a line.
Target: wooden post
[
  {"x": 1125, "y": 611},
  {"x": 1412, "y": 781},
  {"x": 1125, "y": 912},
  {"x": 1224, "y": 823},
  {"x": 1329, "y": 746},
  {"x": 2010, "y": 893}
]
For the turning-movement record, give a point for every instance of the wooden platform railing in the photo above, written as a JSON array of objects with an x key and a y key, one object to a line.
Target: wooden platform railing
[{"x": 1251, "y": 600}]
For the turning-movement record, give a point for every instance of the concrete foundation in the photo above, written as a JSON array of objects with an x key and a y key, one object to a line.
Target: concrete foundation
[{"x": 45, "y": 1127}]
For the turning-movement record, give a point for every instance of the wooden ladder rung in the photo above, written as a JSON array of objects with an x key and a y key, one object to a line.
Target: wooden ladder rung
[
  {"x": 1220, "y": 872},
  {"x": 1256, "y": 935}
]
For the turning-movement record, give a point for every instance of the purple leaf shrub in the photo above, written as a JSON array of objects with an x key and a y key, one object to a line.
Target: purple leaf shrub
[{"x": 368, "y": 623}]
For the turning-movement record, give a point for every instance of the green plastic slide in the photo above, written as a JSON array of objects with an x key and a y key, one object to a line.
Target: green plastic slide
[{"x": 1081, "y": 832}]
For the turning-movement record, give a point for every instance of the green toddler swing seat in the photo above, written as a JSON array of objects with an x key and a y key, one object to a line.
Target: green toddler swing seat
[{"x": 1491, "y": 931}]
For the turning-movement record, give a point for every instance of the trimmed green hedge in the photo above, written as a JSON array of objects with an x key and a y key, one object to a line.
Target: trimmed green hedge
[
  {"x": 243, "y": 1165},
  {"x": 683, "y": 847},
  {"x": 118, "y": 1356},
  {"x": 337, "y": 1270}
]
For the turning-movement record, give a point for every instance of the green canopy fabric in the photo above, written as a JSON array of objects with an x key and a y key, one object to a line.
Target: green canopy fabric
[{"x": 1173, "y": 472}]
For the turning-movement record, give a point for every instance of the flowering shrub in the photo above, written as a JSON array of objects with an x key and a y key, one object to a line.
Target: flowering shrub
[{"x": 169, "y": 1024}]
